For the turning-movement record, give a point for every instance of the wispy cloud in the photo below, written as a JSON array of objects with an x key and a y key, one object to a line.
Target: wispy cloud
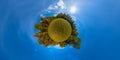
[
  {"x": 55, "y": 7},
  {"x": 59, "y": 5}
]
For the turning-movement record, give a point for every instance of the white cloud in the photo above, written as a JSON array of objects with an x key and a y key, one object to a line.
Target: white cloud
[
  {"x": 59, "y": 5},
  {"x": 57, "y": 47}
]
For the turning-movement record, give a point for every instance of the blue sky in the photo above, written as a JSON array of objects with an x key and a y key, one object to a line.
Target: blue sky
[{"x": 97, "y": 22}]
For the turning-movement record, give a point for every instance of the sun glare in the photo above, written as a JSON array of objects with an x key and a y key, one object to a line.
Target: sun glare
[{"x": 72, "y": 9}]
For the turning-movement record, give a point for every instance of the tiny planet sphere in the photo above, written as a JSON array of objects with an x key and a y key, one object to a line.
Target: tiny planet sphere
[{"x": 57, "y": 30}]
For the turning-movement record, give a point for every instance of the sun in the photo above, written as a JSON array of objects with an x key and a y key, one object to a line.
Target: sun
[{"x": 72, "y": 9}]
